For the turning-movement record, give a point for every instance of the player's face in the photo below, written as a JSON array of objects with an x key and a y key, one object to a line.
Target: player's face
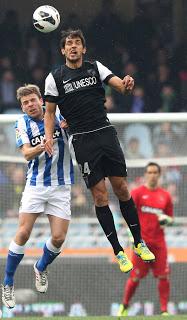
[
  {"x": 32, "y": 106},
  {"x": 73, "y": 50},
  {"x": 152, "y": 176}
]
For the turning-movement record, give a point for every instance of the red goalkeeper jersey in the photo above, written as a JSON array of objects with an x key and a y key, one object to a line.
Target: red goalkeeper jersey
[{"x": 150, "y": 204}]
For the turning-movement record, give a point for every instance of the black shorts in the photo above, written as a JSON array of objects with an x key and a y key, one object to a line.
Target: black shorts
[{"x": 99, "y": 155}]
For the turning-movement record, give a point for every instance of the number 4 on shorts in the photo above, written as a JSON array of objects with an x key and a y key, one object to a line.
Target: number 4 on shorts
[{"x": 85, "y": 169}]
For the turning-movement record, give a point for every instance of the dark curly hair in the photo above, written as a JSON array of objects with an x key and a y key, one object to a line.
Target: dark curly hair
[{"x": 72, "y": 34}]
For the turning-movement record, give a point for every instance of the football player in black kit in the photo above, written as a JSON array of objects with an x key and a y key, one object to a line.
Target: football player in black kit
[{"x": 77, "y": 88}]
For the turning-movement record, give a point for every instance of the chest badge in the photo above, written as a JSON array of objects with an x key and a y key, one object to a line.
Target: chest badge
[{"x": 91, "y": 72}]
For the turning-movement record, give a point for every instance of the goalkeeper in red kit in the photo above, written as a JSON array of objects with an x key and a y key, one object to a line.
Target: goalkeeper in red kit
[{"x": 155, "y": 210}]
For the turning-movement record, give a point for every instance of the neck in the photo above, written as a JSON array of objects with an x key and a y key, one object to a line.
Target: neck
[
  {"x": 74, "y": 65},
  {"x": 151, "y": 186},
  {"x": 39, "y": 118}
]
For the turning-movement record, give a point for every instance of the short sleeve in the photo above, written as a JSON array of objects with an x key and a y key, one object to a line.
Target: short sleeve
[
  {"x": 21, "y": 132},
  {"x": 104, "y": 72},
  {"x": 50, "y": 86}
]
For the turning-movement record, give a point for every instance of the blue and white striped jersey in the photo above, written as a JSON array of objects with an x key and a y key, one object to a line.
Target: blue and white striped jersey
[{"x": 45, "y": 170}]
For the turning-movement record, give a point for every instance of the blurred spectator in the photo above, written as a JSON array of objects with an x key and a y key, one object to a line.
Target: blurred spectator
[
  {"x": 164, "y": 76},
  {"x": 168, "y": 97},
  {"x": 9, "y": 132},
  {"x": 154, "y": 85},
  {"x": 34, "y": 55},
  {"x": 171, "y": 175},
  {"x": 162, "y": 150},
  {"x": 17, "y": 182},
  {"x": 12, "y": 178},
  {"x": 135, "y": 102},
  {"x": 10, "y": 35},
  {"x": 132, "y": 150},
  {"x": 138, "y": 101},
  {"x": 166, "y": 140},
  {"x": 16, "y": 175},
  {"x": 162, "y": 57},
  {"x": 5, "y": 64},
  {"x": 132, "y": 69},
  {"x": 38, "y": 75},
  {"x": 143, "y": 134},
  {"x": 8, "y": 86}
]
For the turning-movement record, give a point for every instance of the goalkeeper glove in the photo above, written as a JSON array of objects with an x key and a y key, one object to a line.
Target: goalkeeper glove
[{"x": 165, "y": 220}]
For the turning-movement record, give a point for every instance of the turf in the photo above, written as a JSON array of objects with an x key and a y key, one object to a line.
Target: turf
[{"x": 179, "y": 317}]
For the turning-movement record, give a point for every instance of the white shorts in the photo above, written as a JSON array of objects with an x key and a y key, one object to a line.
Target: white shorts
[{"x": 53, "y": 200}]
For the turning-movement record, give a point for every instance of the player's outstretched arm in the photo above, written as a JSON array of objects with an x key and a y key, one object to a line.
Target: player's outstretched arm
[
  {"x": 123, "y": 86},
  {"x": 49, "y": 123}
]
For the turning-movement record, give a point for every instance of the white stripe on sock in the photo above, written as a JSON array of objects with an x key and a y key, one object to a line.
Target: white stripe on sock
[
  {"x": 14, "y": 247},
  {"x": 51, "y": 247}
]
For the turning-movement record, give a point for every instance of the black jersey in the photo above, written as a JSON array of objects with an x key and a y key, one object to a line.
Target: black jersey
[{"x": 80, "y": 95}]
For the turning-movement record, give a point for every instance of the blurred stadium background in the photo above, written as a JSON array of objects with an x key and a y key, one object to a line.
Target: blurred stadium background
[{"x": 146, "y": 39}]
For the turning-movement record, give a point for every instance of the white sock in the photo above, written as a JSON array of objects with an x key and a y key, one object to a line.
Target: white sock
[
  {"x": 51, "y": 247},
  {"x": 16, "y": 248}
]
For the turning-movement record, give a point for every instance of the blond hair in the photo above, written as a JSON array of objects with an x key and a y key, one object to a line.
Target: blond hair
[{"x": 28, "y": 89}]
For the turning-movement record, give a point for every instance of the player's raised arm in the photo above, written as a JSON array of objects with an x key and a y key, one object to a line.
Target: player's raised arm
[
  {"x": 51, "y": 94},
  {"x": 49, "y": 121},
  {"x": 123, "y": 86}
]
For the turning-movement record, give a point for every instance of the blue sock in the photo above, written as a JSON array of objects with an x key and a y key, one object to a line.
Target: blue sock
[
  {"x": 13, "y": 260},
  {"x": 47, "y": 257}
]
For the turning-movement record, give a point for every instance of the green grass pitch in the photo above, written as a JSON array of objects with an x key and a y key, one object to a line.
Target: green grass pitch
[{"x": 178, "y": 317}]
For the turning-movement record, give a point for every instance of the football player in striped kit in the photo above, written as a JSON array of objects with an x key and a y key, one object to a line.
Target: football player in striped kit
[{"x": 47, "y": 190}]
